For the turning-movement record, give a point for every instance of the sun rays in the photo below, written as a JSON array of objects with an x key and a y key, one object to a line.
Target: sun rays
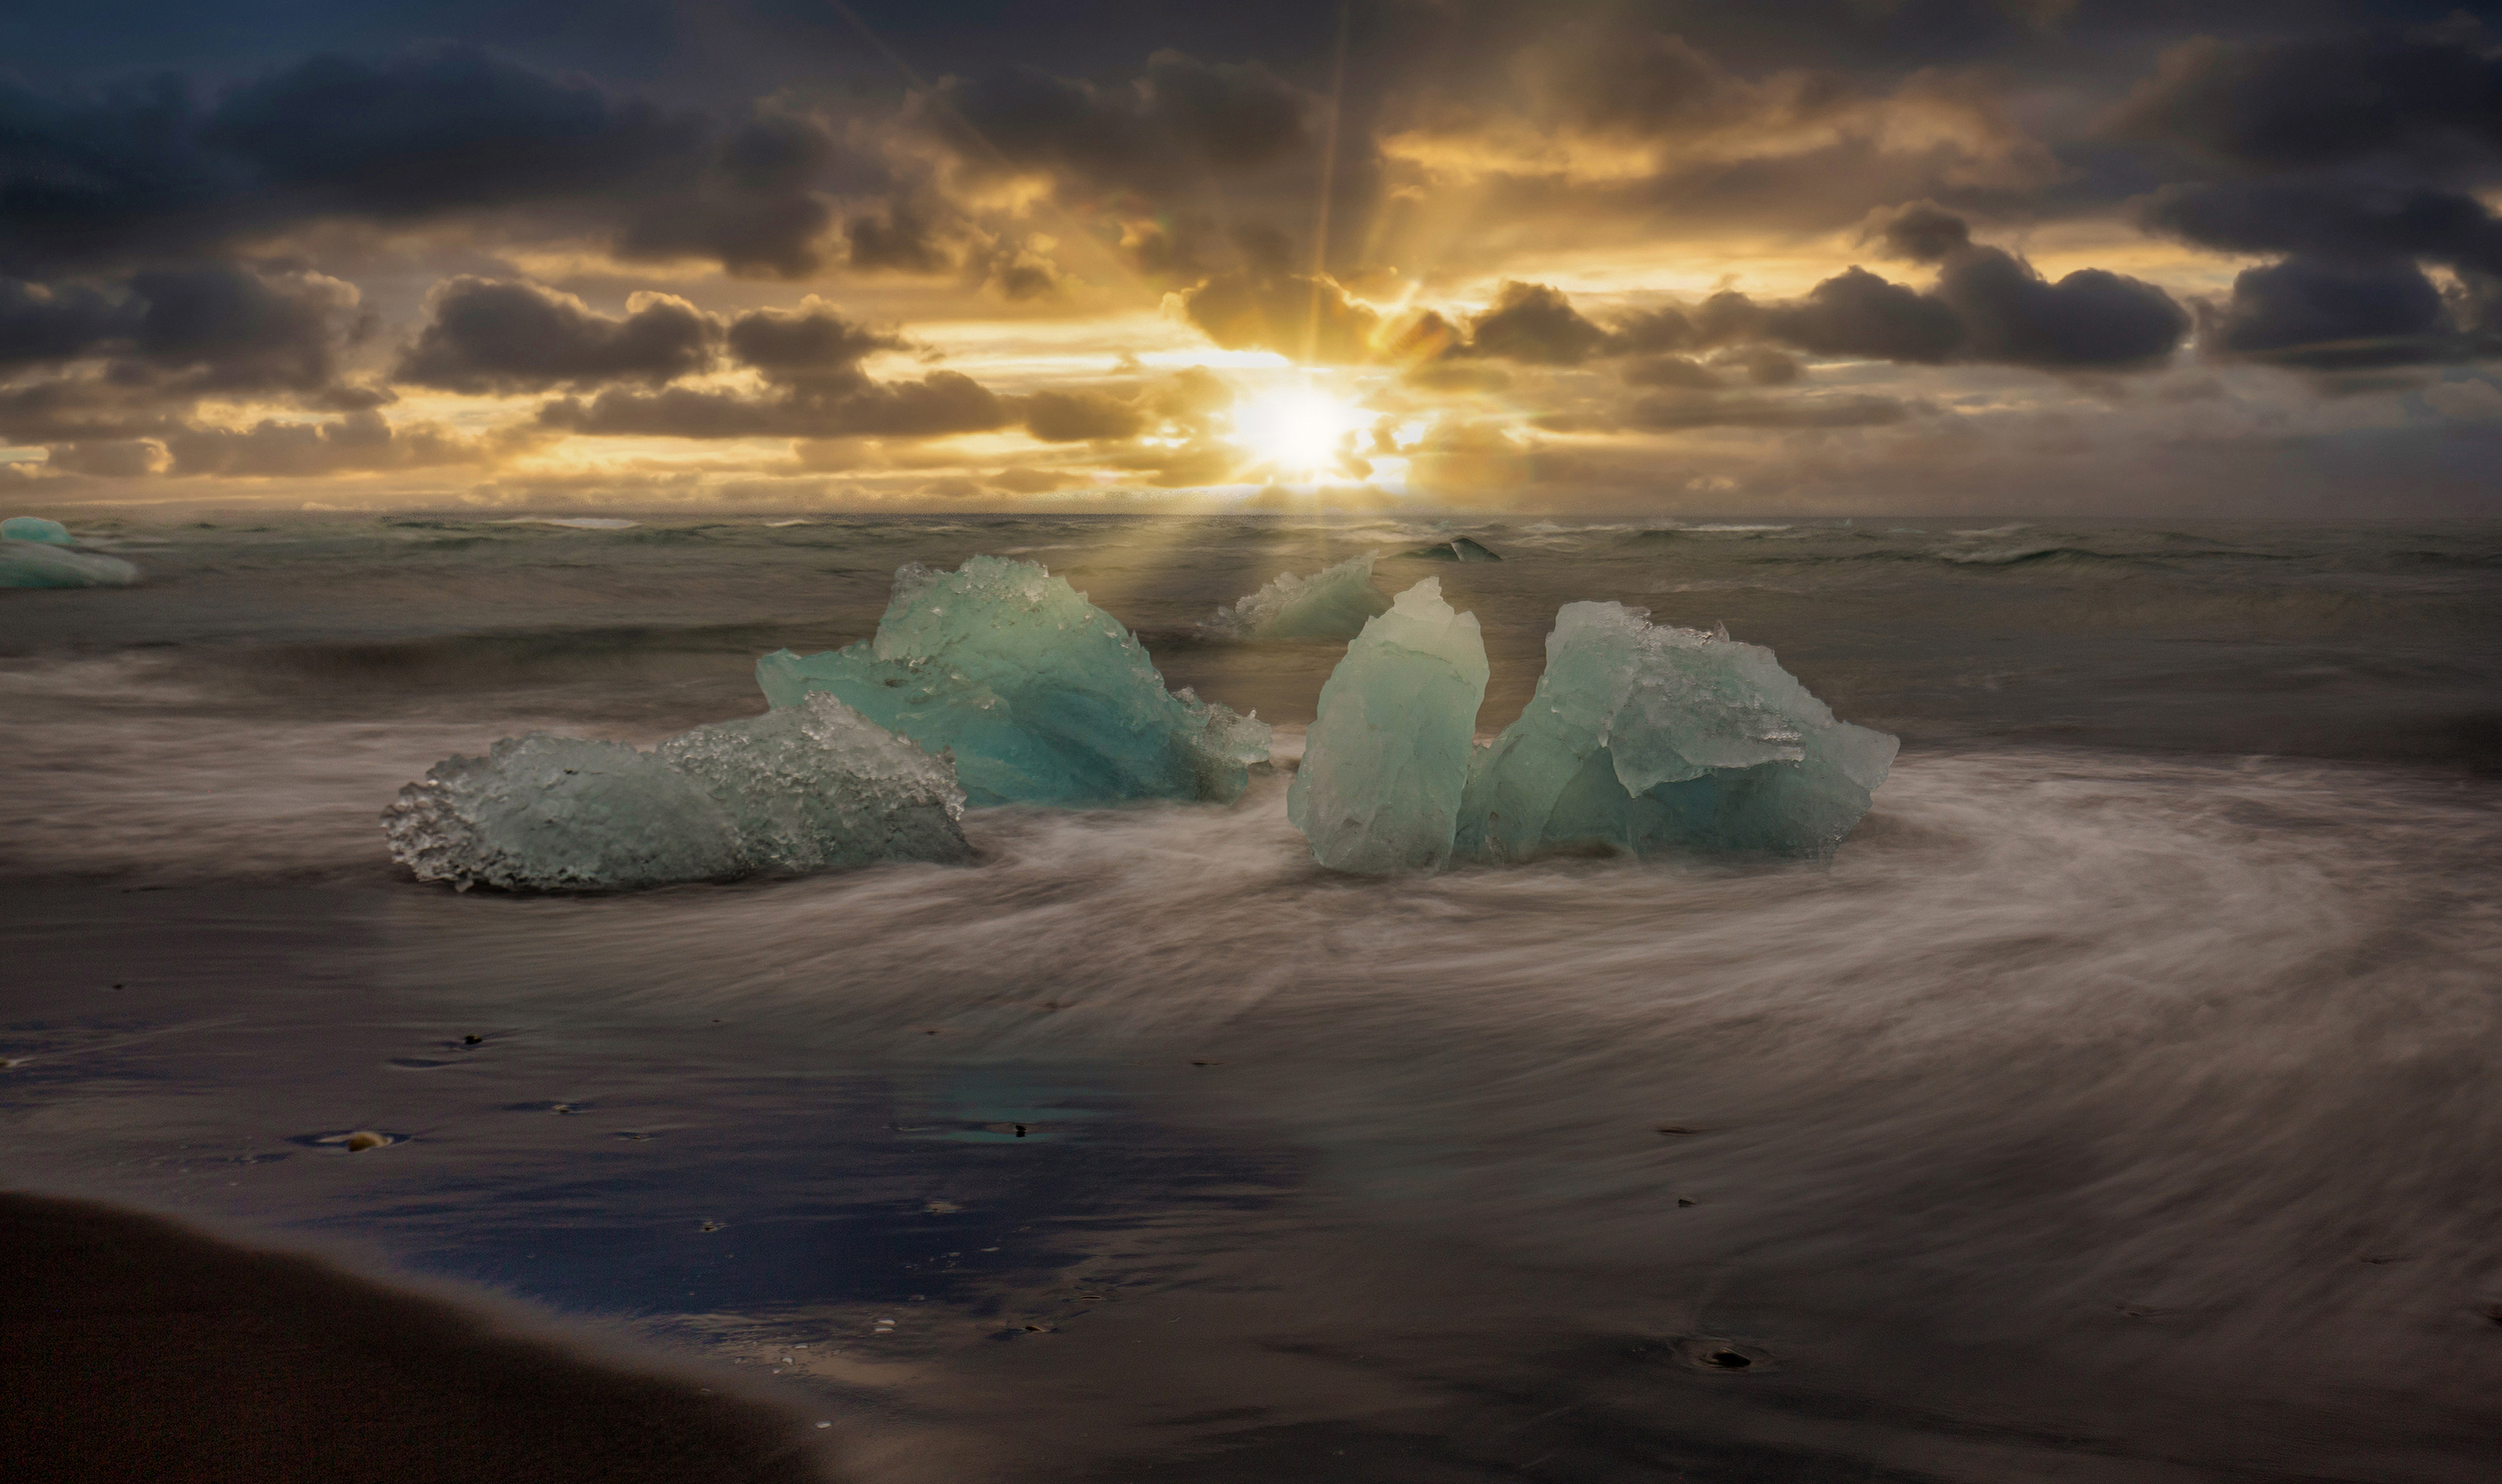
[{"x": 1300, "y": 433}]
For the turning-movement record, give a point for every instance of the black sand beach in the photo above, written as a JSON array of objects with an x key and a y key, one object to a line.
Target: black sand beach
[
  {"x": 134, "y": 1349},
  {"x": 2114, "y": 1106}
]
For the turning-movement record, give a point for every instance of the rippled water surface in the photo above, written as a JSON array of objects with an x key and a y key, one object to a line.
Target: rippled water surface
[{"x": 2118, "y": 1104}]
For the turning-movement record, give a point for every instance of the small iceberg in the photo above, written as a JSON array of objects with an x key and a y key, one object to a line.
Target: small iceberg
[
  {"x": 1457, "y": 549},
  {"x": 36, "y": 553},
  {"x": 799, "y": 788},
  {"x": 1642, "y": 738},
  {"x": 1040, "y": 696},
  {"x": 1386, "y": 761},
  {"x": 1334, "y": 603},
  {"x": 1645, "y": 738}
]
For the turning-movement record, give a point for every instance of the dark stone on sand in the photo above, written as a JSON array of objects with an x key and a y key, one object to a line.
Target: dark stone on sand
[
  {"x": 134, "y": 1349},
  {"x": 1459, "y": 549}
]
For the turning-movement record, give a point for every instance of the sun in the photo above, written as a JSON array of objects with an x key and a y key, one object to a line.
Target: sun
[{"x": 1298, "y": 432}]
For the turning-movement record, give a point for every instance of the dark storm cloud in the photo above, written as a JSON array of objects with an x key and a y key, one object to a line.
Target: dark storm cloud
[
  {"x": 1682, "y": 372},
  {"x": 898, "y": 240},
  {"x": 228, "y": 329},
  {"x": 779, "y": 235},
  {"x": 132, "y": 359},
  {"x": 155, "y": 172},
  {"x": 1535, "y": 324},
  {"x": 489, "y": 336},
  {"x": 1179, "y": 121},
  {"x": 1663, "y": 86},
  {"x": 1292, "y": 314},
  {"x": 1922, "y": 231},
  {"x": 115, "y": 458},
  {"x": 1762, "y": 364},
  {"x": 1987, "y": 305},
  {"x": 1023, "y": 276},
  {"x": 942, "y": 403},
  {"x": 358, "y": 443},
  {"x": 1084, "y": 413},
  {"x": 2426, "y": 100},
  {"x": 2010, "y": 313},
  {"x": 811, "y": 346},
  {"x": 428, "y": 132},
  {"x": 2336, "y": 315},
  {"x": 40, "y": 323},
  {"x": 1599, "y": 119},
  {"x": 2342, "y": 217},
  {"x": 1669, "y": 414},
  {"x": 1855, "y": 314},
  {"x": 759, "y": 204},
  {"x": 2353, "y": 161},
  {"x": 82, "y": 406},
  {"x": 150, "y": 172},
  {"x": 1647, "y": 332}
]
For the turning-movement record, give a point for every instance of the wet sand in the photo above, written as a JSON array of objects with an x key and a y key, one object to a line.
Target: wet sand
[{"x": 131, "y": 1348}]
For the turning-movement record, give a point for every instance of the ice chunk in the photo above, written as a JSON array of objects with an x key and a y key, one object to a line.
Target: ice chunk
[
  {"x": 1041, "y": 697},
  {"x": 1387, "y": 759},
  {"x": 1458, "y": 548},
  {"x": 46, "y": 564},
  {"x": 35, "y": 529},
  {"x": 799, "y": 788},
  {"x": 1329, "y": 604},
  {"x": 1646, "y": 737}
]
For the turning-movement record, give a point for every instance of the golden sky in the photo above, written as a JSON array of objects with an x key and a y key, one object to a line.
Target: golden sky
[{"x": 1831, "y": 255}]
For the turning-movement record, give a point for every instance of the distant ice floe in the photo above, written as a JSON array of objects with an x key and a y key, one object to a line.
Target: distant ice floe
[
  {"x": 37, "y": 552},
  {"x": 576, "y": 523}
]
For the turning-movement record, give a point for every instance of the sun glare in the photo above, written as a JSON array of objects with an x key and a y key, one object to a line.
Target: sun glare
[{"x": 1298, "y": 432}]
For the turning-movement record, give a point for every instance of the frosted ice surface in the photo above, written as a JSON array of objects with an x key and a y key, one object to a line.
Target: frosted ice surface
[
  {"x": 34, "y": 529},
  {"x": 799, "y": 788},
  {"x": 1386, "y": 760},
  {"x": 1329, "y": 604},
  {"x": 1041, "y": 697},
  {"x": 1647, "y": 737}
]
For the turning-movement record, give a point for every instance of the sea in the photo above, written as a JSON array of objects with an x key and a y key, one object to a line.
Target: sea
[{"x": 2122, "y": 1101}]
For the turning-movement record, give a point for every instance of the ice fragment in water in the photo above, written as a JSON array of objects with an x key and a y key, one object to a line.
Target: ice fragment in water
[
  {"x": 36, "y": 553},
  {"x": 1457, "y": 549},
  {"x": 1387, "y": 759},
  {"x": 1329, "y": 604},
  {"x": 35, "y": 529},
  {"x": 798, "y": 789},
  {"x": 1647, "y": 739},
  {"x": 1041, "y": 697}
]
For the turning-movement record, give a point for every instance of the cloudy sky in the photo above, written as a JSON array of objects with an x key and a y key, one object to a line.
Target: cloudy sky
[{"x": 2142, "y": 256}]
